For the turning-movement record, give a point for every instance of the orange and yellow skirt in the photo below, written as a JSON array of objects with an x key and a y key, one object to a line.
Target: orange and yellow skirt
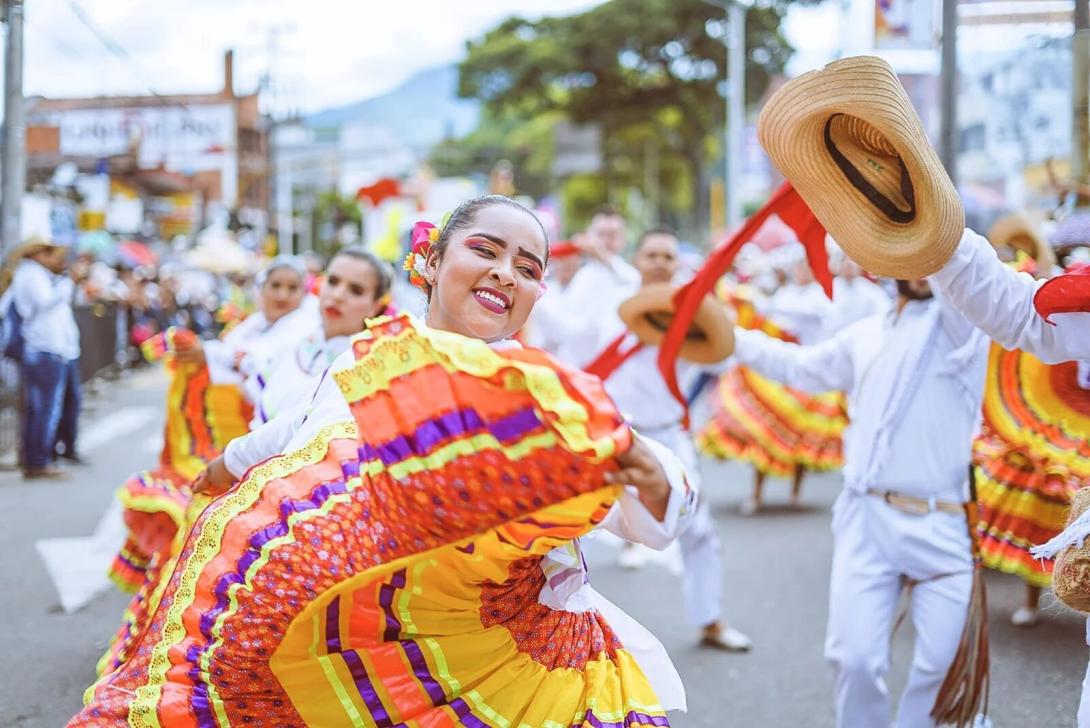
[
  {"x": 157, "y": 504},
  {"x": 388, "y": 571},
  {"x": 1032, "y": 455},
  {"x": 775, "y": 428}
]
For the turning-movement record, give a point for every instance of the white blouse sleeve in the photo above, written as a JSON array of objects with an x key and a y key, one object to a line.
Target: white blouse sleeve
[
  {"x": 269, "y": 439},
  {"x": 999, "y": 301},
  {"x": 220, "y": 359},
  {"x": 818, "y": 368},
  {"x": 292, "y": 428},
  {"x": 630, "y": 519}
]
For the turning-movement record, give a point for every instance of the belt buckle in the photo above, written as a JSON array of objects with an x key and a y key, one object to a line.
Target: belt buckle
[{"x": 906, "y": 504}]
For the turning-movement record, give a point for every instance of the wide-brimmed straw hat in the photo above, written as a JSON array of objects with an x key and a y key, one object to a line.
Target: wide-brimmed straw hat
[
  {"x": 648, "y": 315},
  {"x": 847, "y": 138},
  {"x": 32, "y": 245},
  {"x": 1021, "y": 233}
]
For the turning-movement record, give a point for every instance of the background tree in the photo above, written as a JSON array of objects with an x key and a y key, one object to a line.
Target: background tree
[{"x": 648, "y": 73}]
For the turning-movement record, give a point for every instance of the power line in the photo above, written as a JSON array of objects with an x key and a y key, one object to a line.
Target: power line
[{"x": 120, "y": 52}]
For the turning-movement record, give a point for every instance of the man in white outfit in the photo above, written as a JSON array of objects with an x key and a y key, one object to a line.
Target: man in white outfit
[
  {"x": 604, "y": 280},
  {"x": 914, "y": 380},
  {"x": 1000, "y": 302},
  {"x": 643, "y": 398}
]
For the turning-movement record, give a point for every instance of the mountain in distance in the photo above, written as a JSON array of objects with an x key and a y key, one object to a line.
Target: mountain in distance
[{"x": 420, "y": 112}]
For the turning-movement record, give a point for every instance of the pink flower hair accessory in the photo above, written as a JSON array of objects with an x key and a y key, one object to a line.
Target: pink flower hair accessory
[{"x": 424, "y": 235}]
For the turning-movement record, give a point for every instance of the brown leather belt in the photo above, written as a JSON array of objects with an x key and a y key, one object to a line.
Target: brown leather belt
[{"x": 916, "y": 506}]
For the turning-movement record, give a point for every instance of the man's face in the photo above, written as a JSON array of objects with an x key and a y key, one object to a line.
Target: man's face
[
  {"x": 916, "y": 289},
  {"x": 657, "y": 258},
  {"x": 607, "y": 232},
  {"x": 53, "y": 258}
]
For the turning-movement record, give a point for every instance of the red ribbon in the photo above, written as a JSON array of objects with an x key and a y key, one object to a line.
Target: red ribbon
[
  {"x": 612, "y": 357},
  {"x": 1067, "y": 293},
  {"x": 791, "y": 208}
]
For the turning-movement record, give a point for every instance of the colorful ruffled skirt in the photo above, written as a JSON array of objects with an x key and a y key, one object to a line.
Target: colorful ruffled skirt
[
  {"x": 387, "y": 572},
  {"x": 773, "y": 427},
  {"x": 1032, "y": 455},
  {"x": 157, "y": 504}
]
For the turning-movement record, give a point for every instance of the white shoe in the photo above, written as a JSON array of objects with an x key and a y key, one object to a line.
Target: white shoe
[
  {"x": 632, "y": 556},
  {"x": 728, "y": 640},
  {"x": 748, "y": 507},
  {"x": 1025, "y": 617}
]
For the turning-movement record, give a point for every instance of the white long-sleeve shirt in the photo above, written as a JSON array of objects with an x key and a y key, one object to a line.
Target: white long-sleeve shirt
[
  {"x": 287, "y": 382},
  {"x": 802, "y": 310},
  {"x": 44, "y": 301},
  {"x": 257, "y": 343},
  {"x": 999, "y": 301},
  {"x": 854, "y": 299},
  {"x": 914, "y": 384},
  {"x": 596, "y": 291}
]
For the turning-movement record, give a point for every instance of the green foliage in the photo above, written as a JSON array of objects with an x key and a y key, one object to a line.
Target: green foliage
[
  {"x": 647, "y": 72},
  {"x": 332, "y": 211}
]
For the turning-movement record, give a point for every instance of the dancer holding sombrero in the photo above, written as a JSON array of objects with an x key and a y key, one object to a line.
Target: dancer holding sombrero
[
  {"x": 847, "y": 139},
  {"x": 1049, "y": 320},
  {"x": 411, "y": 555},
  {"x": 627, "y": 361}
]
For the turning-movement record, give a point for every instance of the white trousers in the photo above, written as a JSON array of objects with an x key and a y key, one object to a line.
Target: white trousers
[
  {"x": 702, "y": 581},
  {"x": 1084, "y": 701},
  {"x": 874, "y": 548}
]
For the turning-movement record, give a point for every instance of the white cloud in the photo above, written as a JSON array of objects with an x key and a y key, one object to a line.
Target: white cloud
[{"x": 331, "y": 51}]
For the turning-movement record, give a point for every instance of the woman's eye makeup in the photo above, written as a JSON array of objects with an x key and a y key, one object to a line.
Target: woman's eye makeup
[{"x": 357, "y": 290}]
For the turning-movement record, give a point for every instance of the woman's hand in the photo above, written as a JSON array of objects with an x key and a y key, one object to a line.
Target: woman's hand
[
  {"x": 641, "y": 469},
  {"x": 193, "y": 353},
  {"x": 215, "y": 479}
]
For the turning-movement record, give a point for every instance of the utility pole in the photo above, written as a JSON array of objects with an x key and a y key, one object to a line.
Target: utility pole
[
  {"x": 735, "y": 106},
  {"x": 948, "y": 135},
  {"x": 1080, "y": 95},
  {"x": 13, "y": 162},
  {"x": 736, "y": 115}
]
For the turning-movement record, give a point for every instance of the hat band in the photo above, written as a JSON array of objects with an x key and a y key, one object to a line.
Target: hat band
[
  {"x": 660, "y": 320},
  {"x": 857, "y": 180}
]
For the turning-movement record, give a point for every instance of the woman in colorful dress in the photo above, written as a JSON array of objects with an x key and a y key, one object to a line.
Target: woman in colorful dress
[
  {"x": 412, "y": 556},
  {"x": 780, "y": 431},
  {"x": 355, "y": 288},
  {"x": 205, "y": 410},
  {"x": 1031, "y": 455}
]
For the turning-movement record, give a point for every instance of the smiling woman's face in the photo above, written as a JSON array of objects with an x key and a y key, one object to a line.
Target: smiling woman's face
[{"x": 490, "y": 274}]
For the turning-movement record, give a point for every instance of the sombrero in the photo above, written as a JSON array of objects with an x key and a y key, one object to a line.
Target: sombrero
[
  {"x": 1019, "y": 232},
  {"x": 847, "y": 138},
  {"x": 648, "y": 314}
]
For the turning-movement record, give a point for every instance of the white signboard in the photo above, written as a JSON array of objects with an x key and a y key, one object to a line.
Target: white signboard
[{"x": 183, "y": 139}]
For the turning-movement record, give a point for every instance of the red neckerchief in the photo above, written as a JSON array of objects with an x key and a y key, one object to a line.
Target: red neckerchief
[
  {"x": 614, "y": 355},
  {"x": 789, "y": 205},
  {"x": 1067, "y": 293}
]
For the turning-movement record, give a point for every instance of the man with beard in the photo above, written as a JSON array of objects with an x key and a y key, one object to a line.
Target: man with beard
[{"x": 914, "y": 380}]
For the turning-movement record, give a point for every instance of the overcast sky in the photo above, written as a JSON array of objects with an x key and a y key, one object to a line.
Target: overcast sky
[{"x": 331, "y": 52}]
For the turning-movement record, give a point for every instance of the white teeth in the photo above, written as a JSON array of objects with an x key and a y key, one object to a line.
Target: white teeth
[{"x": 492, "y": 297}]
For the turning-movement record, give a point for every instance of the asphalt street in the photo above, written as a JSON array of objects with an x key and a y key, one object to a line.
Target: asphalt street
[{"x": 776, "y": 567}]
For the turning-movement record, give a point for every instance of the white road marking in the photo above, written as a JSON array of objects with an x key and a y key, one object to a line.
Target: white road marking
[
  {"x": 113, "y": 426},
  {"x": 78, "y": 566}
]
